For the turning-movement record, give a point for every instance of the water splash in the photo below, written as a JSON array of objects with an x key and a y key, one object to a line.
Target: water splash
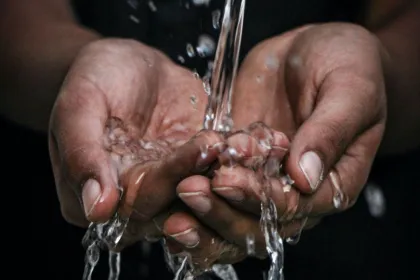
[{"x": 103, "y": 236}]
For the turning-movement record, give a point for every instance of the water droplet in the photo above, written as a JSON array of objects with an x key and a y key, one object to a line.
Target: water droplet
[
  {"x": 133, "y": 4},
  {"x": 201, "y": 2},
  {"x": 204, "y": 151},
  {"x": 187, "y": 5},
  {"x": 190, "y": 50},
  {"x": 193, "y": 100},
  {"x": 181, "y": 59},
  {"x": 134, "y": 19},
  {"x": 250, "y": 244},
  {"x": 293, "y": 240},
  {"x": 338, "y": 199},
  {"x": 216, "y": 19},
  {"x": 196, "y": 75},
  {"x": 375, "y": 200},
  {"x": 206, "y": 85},
  {"x": 205, "y": 46},
  {"x": 152, "y": 6}
]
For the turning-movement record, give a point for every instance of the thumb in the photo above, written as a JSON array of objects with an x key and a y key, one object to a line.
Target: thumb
[
  {"x": 82, "y": 167},
  {"x": 342, "y": 131},
  {"x": 151, "y": 189}
]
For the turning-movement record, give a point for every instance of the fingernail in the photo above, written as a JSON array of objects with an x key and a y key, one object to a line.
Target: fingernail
[
  {"x": 189, "y": 238},
  {"x": 91, "y": 194},
  {"x": 230, "y": 193},
  {"x": 312, "y": 167},
  {"x": 197, "y": 201}
]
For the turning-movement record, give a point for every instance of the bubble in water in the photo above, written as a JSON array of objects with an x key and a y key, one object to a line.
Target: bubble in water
[
  {"x": 205, "y": 46},
  {"x": 216, "y": 19},
  {"x": 152, "y": 6},
  {"x": 190, "y": 50},
  {"x": 201, "y": 2},
  {"x": 375, "y": 200}
]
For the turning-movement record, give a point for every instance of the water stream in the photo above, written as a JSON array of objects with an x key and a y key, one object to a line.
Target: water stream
[{"x": 217, "y": 117}]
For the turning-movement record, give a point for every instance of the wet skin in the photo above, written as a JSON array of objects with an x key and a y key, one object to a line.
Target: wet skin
[{"x": 319, "y": 90}]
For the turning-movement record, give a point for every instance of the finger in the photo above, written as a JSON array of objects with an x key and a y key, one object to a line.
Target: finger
[
  {"x": 151, "y": 189},
  {"x": 341, "y": 187},
  {"x": 327, "y": 131},
  {"x": 218, "y": 215},
  {"x": 135, "y": 231},
  {"x": 253, "y": 146},
  {"x": 243, "y": 190},
  {"x": 151, "y": 230},
  {"x": 77, "y": 135},
  {"x": 204, "y": 247}
]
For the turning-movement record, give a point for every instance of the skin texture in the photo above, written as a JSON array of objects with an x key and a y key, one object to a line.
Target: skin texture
[
  {"x": 316, "y": 86},
  {"x": 111, "y": 123},
  {"x": 323, "y": 87}
]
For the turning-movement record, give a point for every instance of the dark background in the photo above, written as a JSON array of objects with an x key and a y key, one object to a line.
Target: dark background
[{"x": 352, "y": 245}]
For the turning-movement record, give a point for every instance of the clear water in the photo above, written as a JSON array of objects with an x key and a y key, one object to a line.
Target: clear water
[
  {"x": 218, "y": 113},
  {"x": 219, "y": 85}
]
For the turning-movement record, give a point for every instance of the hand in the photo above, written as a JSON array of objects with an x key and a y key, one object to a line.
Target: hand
[
  {"x": 120, "y": 121},
  {"x": 323, "y": 87}
]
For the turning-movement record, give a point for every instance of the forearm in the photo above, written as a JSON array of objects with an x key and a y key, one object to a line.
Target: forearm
[
  {"x": 37, "y": 45},
  {"x": 400, "y": 37}
]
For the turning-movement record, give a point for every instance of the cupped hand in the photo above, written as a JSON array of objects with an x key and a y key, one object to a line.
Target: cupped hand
[
  {"x": 321, "y": 85},
  {"x": 123, "y": 120}
]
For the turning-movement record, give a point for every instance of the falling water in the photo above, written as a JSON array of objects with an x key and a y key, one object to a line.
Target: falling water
[
  {"x": 218, "y": 113},
  {"x": 218, "y": 117},
  {"x": 103, "y": 236}
]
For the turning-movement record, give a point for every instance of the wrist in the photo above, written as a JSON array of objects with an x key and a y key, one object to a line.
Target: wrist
[{"x": 36, "y": 66}]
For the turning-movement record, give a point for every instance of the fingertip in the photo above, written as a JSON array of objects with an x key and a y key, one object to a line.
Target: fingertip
[
  {"x": 195, "y": 183},
  {"x": 99, "y": 201},
  {"x": 177, "y": 223},
  {"x": 306, "y": 170},
  {"x": 280, "y": 139}
]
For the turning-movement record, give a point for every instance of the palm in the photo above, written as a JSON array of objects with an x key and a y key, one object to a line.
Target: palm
[{"x": 122, "y": 104}]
